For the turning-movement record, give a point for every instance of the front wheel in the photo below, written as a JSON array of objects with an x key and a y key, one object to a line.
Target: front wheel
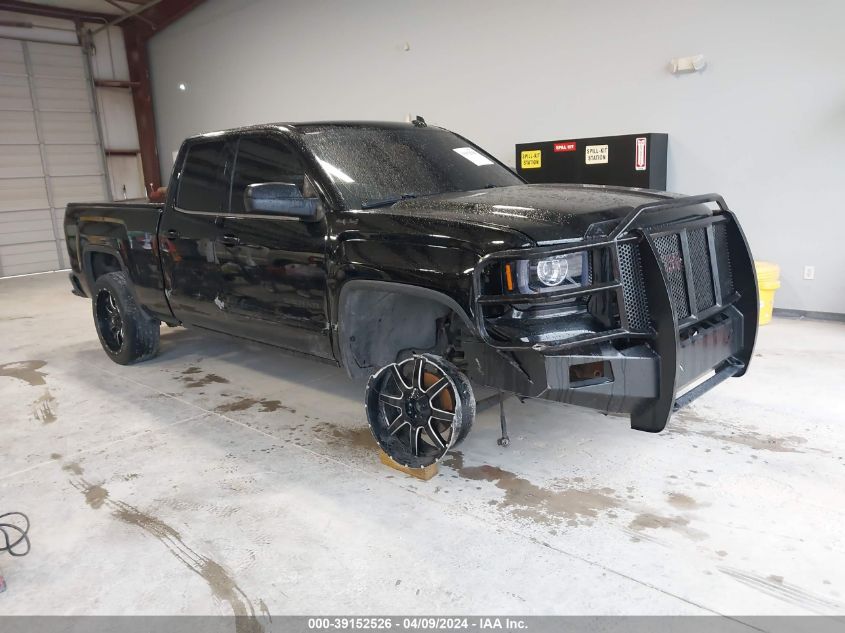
[
  {"x": 127, "y": 333},
  {"x": 419, "y": 408}
]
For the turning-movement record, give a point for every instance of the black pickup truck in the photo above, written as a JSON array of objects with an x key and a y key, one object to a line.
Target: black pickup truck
[{"x": 406, "y": 253}]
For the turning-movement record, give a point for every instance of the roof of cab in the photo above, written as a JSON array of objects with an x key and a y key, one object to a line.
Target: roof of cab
[{"x": 311, "y": 126}]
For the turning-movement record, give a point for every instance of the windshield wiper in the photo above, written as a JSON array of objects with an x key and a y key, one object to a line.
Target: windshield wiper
[{"x": 372, "y": 204}]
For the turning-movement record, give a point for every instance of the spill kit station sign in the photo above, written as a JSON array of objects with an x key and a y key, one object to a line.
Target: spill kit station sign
[
  {"x": 531, "y": 159},
  {"x": 595, "y": 154}
]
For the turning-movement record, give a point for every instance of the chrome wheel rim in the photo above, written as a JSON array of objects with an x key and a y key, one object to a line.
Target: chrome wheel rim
[
  {"x": 413, "y": 410},
  {"x": 109, "y": 321}
]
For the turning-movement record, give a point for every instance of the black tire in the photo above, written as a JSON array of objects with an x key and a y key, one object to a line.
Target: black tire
[
  {"x": 419, "y": 409},
  {"x": 127, "y": 333}
]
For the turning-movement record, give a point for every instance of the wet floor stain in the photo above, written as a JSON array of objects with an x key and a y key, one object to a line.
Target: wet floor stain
[
  {"x": 527, "y": 500},
  {"x": 242, "y": 404},
  {"x": 193, "y": 380},
  {"x": 681, "y": 501},
  {"x": 223, "y": 587},
  {"x": 219, "y": 580},
  {"x": 690, "y": 423},
  {"x": 73, "y": 467},
  {"x": 26, "y": 370},
  {"x": 95, "y": 496},
  {"x": 358, "y": 437},
  {"x": 776, "y": 587},
  {"x": 43, "y": 409},
  {"x": 650, "y": 521}
]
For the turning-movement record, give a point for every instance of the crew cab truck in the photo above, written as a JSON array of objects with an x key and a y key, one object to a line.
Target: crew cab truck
[{"x": 406, "y": 253}]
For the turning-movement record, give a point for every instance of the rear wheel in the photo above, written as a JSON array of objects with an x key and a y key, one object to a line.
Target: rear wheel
[
  {"x": 419, "y": 408},
  {"x": 127, "y": 333}
]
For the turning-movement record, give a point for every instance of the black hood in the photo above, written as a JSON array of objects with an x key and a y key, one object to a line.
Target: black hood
[{"x": 545, "y": 213}]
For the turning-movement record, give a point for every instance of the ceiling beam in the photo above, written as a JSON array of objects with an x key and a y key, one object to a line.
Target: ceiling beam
[
  {"x": 50, "y": 11},
  {"x": 123, "y": 9},
  {"x": 162, "y": 15},
  {"x": 131, "y": 13}
]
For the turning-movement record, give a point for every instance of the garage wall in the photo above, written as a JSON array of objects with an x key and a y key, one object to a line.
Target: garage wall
[{"x": 764, "y": 124}]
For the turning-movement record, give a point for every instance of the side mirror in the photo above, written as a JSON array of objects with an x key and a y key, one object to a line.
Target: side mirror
[{"x": 280, "y": 198}]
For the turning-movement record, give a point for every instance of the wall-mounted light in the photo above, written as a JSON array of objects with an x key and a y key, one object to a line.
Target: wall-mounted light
[
  {"x": 691, "y": 64},
  {"x": 183, "y": 87}
]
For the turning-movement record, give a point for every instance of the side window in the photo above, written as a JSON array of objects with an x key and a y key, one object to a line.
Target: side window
[
  {"x": 264, "y": 160},
  {"x": 204, "y": 182}
]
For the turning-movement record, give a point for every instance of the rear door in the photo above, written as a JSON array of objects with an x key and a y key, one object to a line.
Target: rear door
[
  {"x": 274, "y": 268},
  {"x": 189, "y": 232}
]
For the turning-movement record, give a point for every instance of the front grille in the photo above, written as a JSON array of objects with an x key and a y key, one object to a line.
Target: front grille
[
  {"x": 702, "y": 272},
  {"x": 691, "y": 247},
  {"x": 723, "y": 260},
  {"x": 669, "y": 251},
  {"x": 633, "y": 287}
]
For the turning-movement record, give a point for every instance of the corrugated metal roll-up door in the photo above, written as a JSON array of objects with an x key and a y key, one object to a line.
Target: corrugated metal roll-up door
[{"x": 49, "y": 151}]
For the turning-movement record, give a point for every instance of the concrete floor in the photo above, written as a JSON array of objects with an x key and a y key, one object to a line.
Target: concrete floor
[{"x": 228, "y": 478}]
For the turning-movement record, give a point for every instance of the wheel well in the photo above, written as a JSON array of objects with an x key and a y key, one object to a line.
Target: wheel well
[
  {"x": 377, "y": 326},
  {"x": 102, "y": 263}
]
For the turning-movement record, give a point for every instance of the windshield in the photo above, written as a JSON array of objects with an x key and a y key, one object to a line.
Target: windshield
[{"x": 372, "y": 166}]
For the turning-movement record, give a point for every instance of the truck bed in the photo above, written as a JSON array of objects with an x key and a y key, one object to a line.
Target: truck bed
[{"x": 114, "y": 236}]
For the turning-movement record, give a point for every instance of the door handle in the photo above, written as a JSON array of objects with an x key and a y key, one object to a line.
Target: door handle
[
  {"x": 230, "y": 240},
  {"x": 172, "y": 234}
]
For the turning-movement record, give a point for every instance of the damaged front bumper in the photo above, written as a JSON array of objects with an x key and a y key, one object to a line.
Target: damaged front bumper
[{"x": 700, "y": 298}]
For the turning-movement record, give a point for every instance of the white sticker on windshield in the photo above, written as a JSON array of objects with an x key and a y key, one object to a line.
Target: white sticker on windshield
[{"x": 473, "y": 156}]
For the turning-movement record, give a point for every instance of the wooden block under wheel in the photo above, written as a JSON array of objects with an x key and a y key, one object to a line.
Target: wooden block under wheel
[{"x": 425, "y": 473}]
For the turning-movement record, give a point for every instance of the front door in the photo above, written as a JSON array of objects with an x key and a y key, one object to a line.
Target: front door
[
  {"x": 189, "y": 234},
  {"x": 274, "y": 269}
]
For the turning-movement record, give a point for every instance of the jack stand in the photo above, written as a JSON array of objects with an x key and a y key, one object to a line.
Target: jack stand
[{"x": 504, "y": 440}]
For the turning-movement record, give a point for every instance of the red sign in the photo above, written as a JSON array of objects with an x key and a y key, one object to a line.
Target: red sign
[
  {"x": 566, "y": 146},
  {"x": 640, "y": 156}
]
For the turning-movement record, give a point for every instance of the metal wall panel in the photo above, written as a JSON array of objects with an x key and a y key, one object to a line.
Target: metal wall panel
[
  {"x": 74, "y": 160},
  {"x": 76, "y": 189},
  {"x": 25, "y": 227},
  {"x": 17, "y": 128},
  {"x": 14, "y": 93},
  {"x": 61, "y": 93},
  {"x": 20, "y": 259},
  {"x": 50, "y": 152},
  {"x": 23, "y": 193},
  {"x": 109, "y": 57},
  {"x": 68, "y": 128},
  {"x": 126, "y": 176},
  {"x": 21, "y": 161},
  {"x": 117, "y": 114},
  {"x": 56, "y": 60},
  {"x": 11, "y": 57}
]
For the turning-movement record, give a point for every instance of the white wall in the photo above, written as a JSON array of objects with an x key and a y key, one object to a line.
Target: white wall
[{"x": 764, "y": 124}]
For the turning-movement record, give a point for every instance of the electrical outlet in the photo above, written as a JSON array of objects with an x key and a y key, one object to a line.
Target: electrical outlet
[{"x": 809, "y": 272}]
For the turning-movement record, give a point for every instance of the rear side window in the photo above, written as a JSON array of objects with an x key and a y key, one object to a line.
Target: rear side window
[
  {"x": 204, "y": 182},
  {"x": 264, "y": 160}
]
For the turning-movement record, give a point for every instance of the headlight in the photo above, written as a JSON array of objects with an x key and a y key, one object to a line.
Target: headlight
[
  {"x": 552, "y": 270},
  {"x": 552, "y": 273}
]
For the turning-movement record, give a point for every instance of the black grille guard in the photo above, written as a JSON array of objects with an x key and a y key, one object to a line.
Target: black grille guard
[{"x": 665, "y": 327}]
